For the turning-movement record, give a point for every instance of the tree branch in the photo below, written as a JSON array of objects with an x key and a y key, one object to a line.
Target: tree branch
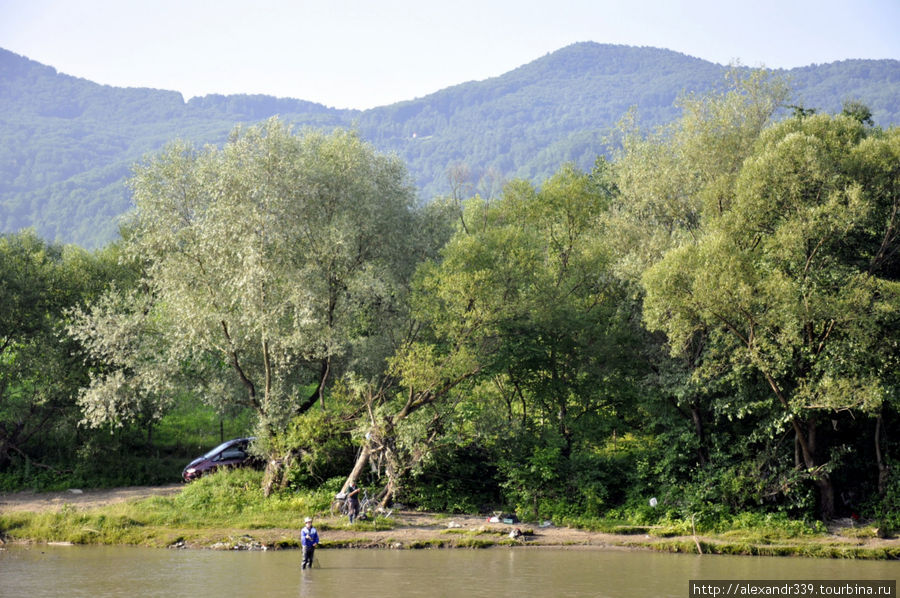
[{"x": 235, "y": 363}]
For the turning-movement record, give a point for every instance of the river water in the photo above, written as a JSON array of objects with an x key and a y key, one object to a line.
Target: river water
[{"x": 76, "y": 571}]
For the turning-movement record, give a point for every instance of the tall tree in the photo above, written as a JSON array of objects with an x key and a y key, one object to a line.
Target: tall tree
[
  {"x": 271, "y": 265},
  {"x": 40, "y": 369},
  {"x": 795, "y": 282},
  {"x": 668, "y": 181},
  {"x": 519, "y": 297},
  {"x": 669, "y": 178},
  {"x": 562, "y": 340}
]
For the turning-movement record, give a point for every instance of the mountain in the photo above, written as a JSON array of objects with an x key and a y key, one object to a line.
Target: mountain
[{"x": 67, "y": 144}]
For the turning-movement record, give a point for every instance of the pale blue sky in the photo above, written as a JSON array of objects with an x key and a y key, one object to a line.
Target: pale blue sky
[{"x": 360, "y": 54}]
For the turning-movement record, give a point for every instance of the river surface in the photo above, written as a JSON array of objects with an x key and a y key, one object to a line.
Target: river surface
[{"x": 76, "y": 571}]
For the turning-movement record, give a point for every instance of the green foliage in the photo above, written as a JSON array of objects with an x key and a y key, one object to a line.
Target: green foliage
[
  {"x": 456, "y": 479},
  {"x": 486, "y": 352},
  {"x": 884, "y": 508},
  {"x": 191, "y": 428},
  {"x": 235, "y": 498},
  {"x": 539, "y": 483},
  {"x": 74, "y": 457},
  {"x": 318, "y": 447},
  {"x": 536, "y": 483},
  {"x": 68, "y": 144},
  {"x": 771, "y": 285},
  {"x": 100, "y": 459},
  {"x": 768, "y": 526},
  {"x": 858, "y": 111},
  {"x": 41, "y": 369},
  {"x": 222, "y": 495},
  {"x": 268, "y": 263}
]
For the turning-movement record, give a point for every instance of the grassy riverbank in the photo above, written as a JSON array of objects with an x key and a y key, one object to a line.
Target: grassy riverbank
[{"x": 228, "y": 512}]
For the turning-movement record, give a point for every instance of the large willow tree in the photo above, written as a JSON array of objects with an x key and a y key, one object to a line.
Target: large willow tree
[
  {"x": 795, "y": 282},
  {"x": 270, "y": 264},
  {"x": 670, "y": 181}
]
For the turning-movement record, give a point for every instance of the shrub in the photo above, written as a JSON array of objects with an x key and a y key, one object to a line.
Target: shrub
[
  {"x": 885, "y": 509},
  {"x": 457, "y": 479}
]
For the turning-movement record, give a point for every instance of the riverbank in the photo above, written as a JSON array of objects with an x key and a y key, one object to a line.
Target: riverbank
[{"x": 117, "y": 517}]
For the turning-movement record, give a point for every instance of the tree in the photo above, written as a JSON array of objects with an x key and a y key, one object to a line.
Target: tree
[
  {"x": 669, "y": 179},
  {"x": 669, "y": 182},
  {"x": 564, "y": 355},
  {"x": 859, "y": 111},
  {"x": 795, "y": 282},
  {"x": 270, "y": 266},
  {"x": 40, "y": 369},
  {"x": 518, "y": 300},
  {"x": 561, "y": 339}
]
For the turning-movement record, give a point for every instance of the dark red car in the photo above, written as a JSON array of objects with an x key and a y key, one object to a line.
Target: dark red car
[{"x": 232, "y": 453}]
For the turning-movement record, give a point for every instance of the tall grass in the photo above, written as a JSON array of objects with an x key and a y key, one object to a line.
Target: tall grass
[{"x": 228, "y": 500}]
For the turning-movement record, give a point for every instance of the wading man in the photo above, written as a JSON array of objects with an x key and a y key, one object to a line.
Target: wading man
[{"x": 309, "y": 539}]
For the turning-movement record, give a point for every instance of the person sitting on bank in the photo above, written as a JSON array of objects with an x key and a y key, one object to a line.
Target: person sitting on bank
[
  {"x": 353, "y": 501},
  {"x": 309, "y": 539}
]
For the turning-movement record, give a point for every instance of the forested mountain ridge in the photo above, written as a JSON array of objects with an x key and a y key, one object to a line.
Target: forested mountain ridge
[{"x": 68, "y": 144}]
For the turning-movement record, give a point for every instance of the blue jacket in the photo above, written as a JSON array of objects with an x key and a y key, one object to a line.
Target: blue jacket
[{"x": 309, "y": 536}]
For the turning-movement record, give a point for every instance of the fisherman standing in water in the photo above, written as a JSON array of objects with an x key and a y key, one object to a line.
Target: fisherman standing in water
[{"x": 309, "y": 539}]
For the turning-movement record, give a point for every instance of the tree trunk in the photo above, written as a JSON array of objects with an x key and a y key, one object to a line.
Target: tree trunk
[
  {"x": 806, "y": 442},
  {"x": 319, "y": 393},
  {"x": 884, "y": 469},
  {"x": 365, "y": 455},
  {"x": 393, "y": 468},
  {"x": 826, "y": 497},
  {"x": 388, "y": 495},
  {"x": 380, "y": 439},
  {"x": 697, "y": 419},
  {"x": 361, "y": 461},
  {"x": 564, "y": 430},
  {"x": 273, "y": 476}
]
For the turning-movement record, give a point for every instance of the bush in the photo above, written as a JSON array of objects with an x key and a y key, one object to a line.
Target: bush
[
  {"x": 457, "y": 479},
  {"x": 235, "y": 498},
  {"x": 316, "y": 446},
  {"x": 772, "y": 525},
  {"x": 222, "y": 494},
  {"x": 885, "y": 509}
]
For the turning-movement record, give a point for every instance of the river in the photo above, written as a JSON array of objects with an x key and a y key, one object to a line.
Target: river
[{"x": 76, "y": 571}]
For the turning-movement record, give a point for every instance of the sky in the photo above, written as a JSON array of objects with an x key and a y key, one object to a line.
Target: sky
[{"x": 362, "y": 54}]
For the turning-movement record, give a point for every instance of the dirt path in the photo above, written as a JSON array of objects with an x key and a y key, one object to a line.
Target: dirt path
[
  {"x": 433, "y": 529},
  {"x": 43, "y": 501}
]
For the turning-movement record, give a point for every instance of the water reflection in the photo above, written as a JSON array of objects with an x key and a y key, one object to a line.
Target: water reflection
[{"x": 114, "y": 571}]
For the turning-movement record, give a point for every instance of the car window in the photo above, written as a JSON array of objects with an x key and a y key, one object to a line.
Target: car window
[
  {"x": 212, "y": 453},
  {"x": 233, "y": 453}
]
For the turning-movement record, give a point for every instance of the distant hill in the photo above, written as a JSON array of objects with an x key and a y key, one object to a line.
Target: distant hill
[{"x": 67, "y": 144}]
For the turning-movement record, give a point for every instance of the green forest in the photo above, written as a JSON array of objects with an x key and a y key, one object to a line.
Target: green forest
[
  {"x": 67, "y": 145},
  {"x": 702, "y": 326}
]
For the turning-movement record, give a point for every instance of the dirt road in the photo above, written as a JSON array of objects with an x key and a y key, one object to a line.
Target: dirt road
[{"x": 43, "y": 501}]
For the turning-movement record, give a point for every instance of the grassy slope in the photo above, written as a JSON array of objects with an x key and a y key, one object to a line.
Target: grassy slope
[{"x": 227, "y": 511}]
